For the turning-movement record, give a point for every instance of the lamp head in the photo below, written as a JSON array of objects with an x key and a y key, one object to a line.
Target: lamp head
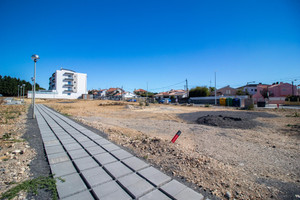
[{"x": 35, "y": 57}]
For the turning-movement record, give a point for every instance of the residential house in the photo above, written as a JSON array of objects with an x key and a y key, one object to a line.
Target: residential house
[
  {"x": 177, "y": 94},
  {"x": 226, "y": 91},
  {"x": 128, "y": 95},
  {"x": 276, "y": 92},
  {"x": 139, "y": 91},
  {"x": 250, "y": 89},
  {"x": 114, "y": 93}
]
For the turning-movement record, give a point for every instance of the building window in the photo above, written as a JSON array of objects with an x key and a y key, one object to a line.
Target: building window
[{"x": 255, "y": 90}]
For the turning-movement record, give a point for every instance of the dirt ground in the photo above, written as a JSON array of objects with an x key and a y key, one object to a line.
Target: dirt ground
[
  {"x": 15, "y": 153},
  {"x": 227, "y": 152}
]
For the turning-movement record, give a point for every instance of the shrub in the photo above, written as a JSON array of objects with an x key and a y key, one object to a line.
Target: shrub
[{"x": 199, "y": 92}]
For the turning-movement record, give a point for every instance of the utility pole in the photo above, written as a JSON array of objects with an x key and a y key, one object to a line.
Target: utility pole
[
  {"x": 215, "y": 88},
  {"x": 187, "y": 88}
]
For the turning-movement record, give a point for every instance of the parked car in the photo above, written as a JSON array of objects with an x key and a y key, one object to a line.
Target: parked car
[
  {"x": 164, "y": 100},
  {"x": 132, "y": 100}
]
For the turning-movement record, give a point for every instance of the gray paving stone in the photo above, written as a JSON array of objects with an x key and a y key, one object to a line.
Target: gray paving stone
[
  {"x": 73, "y": 184},
  {"x": 96, "y": 176},
  {"x": 88, "y": 144},
  {"x": 154, "y": 176},
  {"x": 73, "y": 146},
  {"x": 95, "y": 150},
  {"x": 50, "y": 138},
  {"x": 68, "y": 141},
  {"x": 105, "y": 158},
  {"x": 188, "y": 193},
  {"x": 95, "y": 137},
  {"x": 47, "y": 135},
  {"x": 173, "y": 188},
  {"x": 54, "y": 149},
  {"x": 82, "y": 138},
  {"x": 45, "y": 131},
  {"x": 121, "y": 154},
  {"x": 102, "y": 141},
  {"x": 119, "y": 194},
  {"x": 73, "y": 131},
  {"x": 85, "y": 163},
  {"x": 58, "y": 158},
  {"x": 76, "y": 136},
  {"x": 51, "y": 143},
  {"x": 65, "y": 136},
  {"x": 156, "y": 194},
  {"x": 87, "y": 132},
  {"x": 110, "y": 147},
  {"x": 117, "y": 169},
  {"x": 57, "y": 130},
  {"x": 79, "y": 153},
  {"x": 135, "y": 163},
  {"x": 110, "y": 190},
  {"x": 81, "y": 128},
  {"x": 135, "y": 184},
  {"x": 61, "y": 169},
  {"x": 85, "y": 195}
]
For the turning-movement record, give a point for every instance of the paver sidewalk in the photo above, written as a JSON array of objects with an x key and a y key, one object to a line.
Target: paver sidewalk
[{"x": 95, "y": 168}]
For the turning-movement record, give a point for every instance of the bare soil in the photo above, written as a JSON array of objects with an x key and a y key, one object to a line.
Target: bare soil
[
  {"x": 15, "y": 153},
  {"x": 249, "y": 154}
]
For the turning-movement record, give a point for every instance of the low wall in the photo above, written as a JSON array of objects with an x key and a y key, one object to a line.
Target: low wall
[{"x": 52, "y": 95}]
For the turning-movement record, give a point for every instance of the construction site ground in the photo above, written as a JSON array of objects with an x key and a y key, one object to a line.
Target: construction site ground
[{"x": 228, "y": 152}]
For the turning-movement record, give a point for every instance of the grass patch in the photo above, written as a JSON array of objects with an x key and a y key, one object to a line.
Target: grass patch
[
  {"x": 32, "y": 186},
  {"x": 66, "y": 114},
  {"x": 295, "y": 114}
]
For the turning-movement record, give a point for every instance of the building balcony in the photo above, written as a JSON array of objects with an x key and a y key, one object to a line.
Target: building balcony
[
  {"x": 68, "y": 74},
  {"x": 68, "y": 91},
  {"x": 68, "y": 85},
  {"x": 68, "y": 79}
]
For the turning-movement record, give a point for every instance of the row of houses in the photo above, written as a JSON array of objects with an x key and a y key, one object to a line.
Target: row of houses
[
  {"x": 275, "y": 92},
  {"x": 68, "y": 84}
]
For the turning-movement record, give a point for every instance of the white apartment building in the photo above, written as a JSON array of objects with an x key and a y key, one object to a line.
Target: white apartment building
[{"x": 65, "y": 84}]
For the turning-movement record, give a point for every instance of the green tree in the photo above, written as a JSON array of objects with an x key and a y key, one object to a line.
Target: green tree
[
  {"x": 9, "y": 86},
  {"x": 199, "y": 92}
]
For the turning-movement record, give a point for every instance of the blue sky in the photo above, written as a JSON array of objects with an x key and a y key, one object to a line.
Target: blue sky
[{"x": 130, "y": 43}]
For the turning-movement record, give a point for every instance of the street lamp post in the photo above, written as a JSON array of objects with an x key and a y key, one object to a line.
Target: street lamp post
[
  {"x": 32, "y": 92},
  {"x": 34, "y": 57},
  {"x": 18, "y": 91},
  {"x": 23, "y": 91}
]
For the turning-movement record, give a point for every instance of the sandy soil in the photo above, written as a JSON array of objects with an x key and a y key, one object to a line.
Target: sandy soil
[{"x": 257, "y": 157}]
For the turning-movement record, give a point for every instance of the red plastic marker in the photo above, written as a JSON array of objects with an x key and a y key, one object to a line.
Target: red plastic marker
[{"x": 176, "y": 136}]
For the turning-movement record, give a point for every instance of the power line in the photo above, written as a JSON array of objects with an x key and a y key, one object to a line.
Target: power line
[{"x": 168, "y": 86}]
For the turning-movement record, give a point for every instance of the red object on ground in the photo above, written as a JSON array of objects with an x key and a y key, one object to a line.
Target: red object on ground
[{"x": 176, "y": 136}]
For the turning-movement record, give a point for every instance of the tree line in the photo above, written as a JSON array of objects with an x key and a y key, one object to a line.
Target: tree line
[{"x": 9, "y": 86}]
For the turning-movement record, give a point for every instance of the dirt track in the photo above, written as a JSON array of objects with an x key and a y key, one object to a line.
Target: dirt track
[{"x": 255, "y": 158}]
